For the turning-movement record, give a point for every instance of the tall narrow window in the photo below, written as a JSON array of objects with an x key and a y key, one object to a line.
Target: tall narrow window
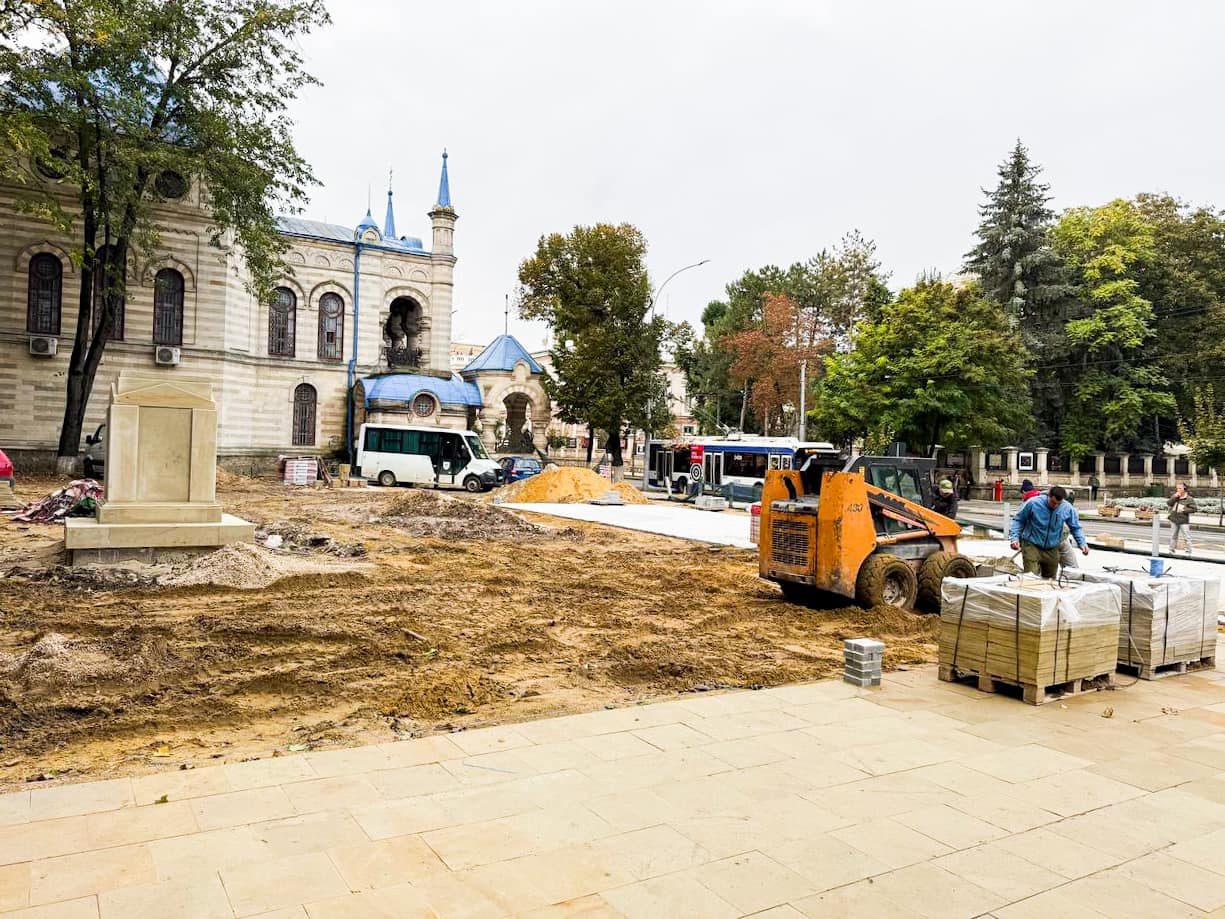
[
  {"x": 46, "y": 288},
  {"x": 331, "y": 327},
  {"x": 101, "y": 283},
  {"x": 304, "y": 415},
  {"x": 282, "y": 315},
  {"x": 168, "y": 308}
]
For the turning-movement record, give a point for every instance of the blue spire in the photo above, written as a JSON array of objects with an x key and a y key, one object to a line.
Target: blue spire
[
  {"x": 444, "y": 184},
  {"x": 389, "y": 223}
]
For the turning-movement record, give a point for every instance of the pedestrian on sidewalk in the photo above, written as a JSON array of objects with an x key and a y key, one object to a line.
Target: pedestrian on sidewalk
[
  {"x": 1094, "y": 484},
  {"x": 1037, "y": 530},
  {"x": 1028, "y": 490},
  {"x": 1181, "y": 506}
]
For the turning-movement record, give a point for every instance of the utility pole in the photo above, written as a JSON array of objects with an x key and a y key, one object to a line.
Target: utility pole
[{"x": 803, "y": 429}]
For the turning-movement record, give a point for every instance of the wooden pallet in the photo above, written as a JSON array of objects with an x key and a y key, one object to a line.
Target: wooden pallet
[
  {"x": 1173, "y": 668},
  {"x": 1033, "y": 695}
]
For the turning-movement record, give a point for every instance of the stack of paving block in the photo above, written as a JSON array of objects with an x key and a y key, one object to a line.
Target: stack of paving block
[
  {"x": 863, "y": 661},
  {"x": 1027, "y": 631},
  {"x": 1166, "y": 622}
]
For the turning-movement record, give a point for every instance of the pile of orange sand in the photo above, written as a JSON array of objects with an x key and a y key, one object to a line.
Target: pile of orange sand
[{"x": 565, "y": 485}]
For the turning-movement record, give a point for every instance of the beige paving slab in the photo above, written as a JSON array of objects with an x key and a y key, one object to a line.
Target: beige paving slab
[
  {"x": 282, "y": 882},
  {"x": 761, "y": 825},
  {"x": 1076, "y": 792},
  {"x": 331, "y": 793},
  {"x": 720, "y": 706},
  {"x": 649, "y": 852},
  {"x": 14, "y": 886},
  {"x": 180, "y": 784},
  {"x": 1153, "y": 770},
  {"x": 411, "y": 781},
  {"x": 824, "y": 861},
  {"x": 84, "y": 873},
  {"x": 634, "y": 810},
  {"x": 891, "y": 843},
  {"x": 1207, "y": 851},
  {"x": 386, "y": 819},
  {"x": 1056, "y": 853},
  {"x": 1051, "y": 904},
  {"x": 1000, "y": 871},
  {"x": 673, "y": 736},
  {"x": 421, "y": 750},
  {"x": 44, "y": 839},
  {"x": 807, "y": 693},
  {"x": 1112, "y": 890},
  {"x": 272, "y": 771},
  {"x": 386, "y": 862},
  {"x": 1026, "y": 763},
  {"x": 138, "y": 824},
  {"x": 753, "y": 882},
  {"x": 539, "y": 758},
  {"x": 480, "y": 893},
  {"x": 14, "y": 808},
  {"x": 568, "y": 873},
  {"x": 946, "y": 824},
  {"x": 487, "y": 740},
  {"x": 187, "y": 857},
  {"x": 201, "y": 899},
  {"x": 861, "y": 900},
  {"x": 1179, "y": 879},
  {"x": 611, "y": 747},
  {"x": 745, "y": 752},
  {"x": 678, "y": 896},
  {"x": 400, "y": 902},
  {"x": 239, "y": 807},
  {"x": 1004, "y": 811},
  {"x": 931, "y": 891},
  {"x": 882, "y": 796},
  {"x": 308, "y": 833},
  {"x": 86, "y": 798},
  {"x": 593, "y": 907},
  {"x": 355, "y": 761},
  {"x": 893, "y": 756},
  {"x": 81, "y": 908}
]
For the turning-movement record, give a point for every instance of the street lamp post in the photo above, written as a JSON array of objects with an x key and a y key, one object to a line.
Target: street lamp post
[{"x": 646, "y": 446}]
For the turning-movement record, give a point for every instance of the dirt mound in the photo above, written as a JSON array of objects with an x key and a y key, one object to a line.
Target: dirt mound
[
  {"x": 248, "y": 567},
  {"x": 440, "y": 694},
  {"x": 89, "y": 577},
  {"x": 56, "y": 663},
  {"x": 427, "y": 513},
  {"x": 565, "y": 485}
]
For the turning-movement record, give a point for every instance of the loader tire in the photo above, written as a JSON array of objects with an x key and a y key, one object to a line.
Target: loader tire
[
  {"x": 886, "y": 580},
  {"x": 935, "y": 568}
]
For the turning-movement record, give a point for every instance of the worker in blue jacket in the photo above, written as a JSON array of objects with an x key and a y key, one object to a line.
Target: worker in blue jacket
[{"x": 1037, "y": 530}]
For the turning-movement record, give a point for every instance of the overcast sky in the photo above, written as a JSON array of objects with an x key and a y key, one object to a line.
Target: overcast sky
[{"x": 748, "y": 133}]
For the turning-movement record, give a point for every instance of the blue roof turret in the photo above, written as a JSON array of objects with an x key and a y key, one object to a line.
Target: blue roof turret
[
  {"x": 444, "y": 184},
  {"x": 389, "y": 223},
  {"x": 366, "y": 224},
  {"x": 502, "y": 354}
]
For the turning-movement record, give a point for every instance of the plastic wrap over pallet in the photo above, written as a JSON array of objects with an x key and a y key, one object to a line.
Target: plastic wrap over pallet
[
  {"x": 1165, "y": 620},
  {"x": 1029, "y": 631}
]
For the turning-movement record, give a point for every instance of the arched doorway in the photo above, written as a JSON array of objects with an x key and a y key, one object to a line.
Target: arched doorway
[
  {"x": 517, "y": 438},
  {"x": 401, "y": 333}
]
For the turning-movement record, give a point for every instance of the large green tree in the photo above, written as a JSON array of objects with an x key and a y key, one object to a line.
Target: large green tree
[
  {"x": 109, "y": 96},
  {"x": 1019, "y": 270},
  {"x": 592, "y": 288},
  {"x": 1113, "y": 382},
  {"x": 1204, "y": 433},
  {"x": 940, "y": 365}
]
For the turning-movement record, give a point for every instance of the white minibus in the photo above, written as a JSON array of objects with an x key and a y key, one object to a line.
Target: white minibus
[{"x": 421, "y": 455}]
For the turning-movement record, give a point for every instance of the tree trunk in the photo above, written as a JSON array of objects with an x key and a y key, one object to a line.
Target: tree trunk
[
  {"x": 67, "y": 461},
  {"x": 590, "y": 442},
  {"x": 614, "y": 452},
  {"x": 744, "y": 404}
]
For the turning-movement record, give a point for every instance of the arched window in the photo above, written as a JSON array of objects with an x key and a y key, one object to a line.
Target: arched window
[
  {"x": 304, "y": 415},
  {"x": 46, "y": 287},
  {"x": 104, "y": 255},
  {"x": 282, "y": 315},
  {"x": 331, "y": 327},
  {"x": 168, "y": 308}
]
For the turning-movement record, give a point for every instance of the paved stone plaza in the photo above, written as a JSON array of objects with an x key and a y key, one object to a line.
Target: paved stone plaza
[{"x": 917, "y": 799}]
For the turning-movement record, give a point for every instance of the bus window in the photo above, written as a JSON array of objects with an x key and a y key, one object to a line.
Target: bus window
[
  {"x": 477, "y": 448},
  {"x": 774, "y": 459},
  {"x": 430, "y": 445},
  {"x": 391, "y": 441},
  {"x": 745, "y": 465}
]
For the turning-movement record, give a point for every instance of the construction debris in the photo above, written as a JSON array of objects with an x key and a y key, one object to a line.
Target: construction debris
[
  {"x": 78, "y": 499},
  {"x": 429, "y": 513}
]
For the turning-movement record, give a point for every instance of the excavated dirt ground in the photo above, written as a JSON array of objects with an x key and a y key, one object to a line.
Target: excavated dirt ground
[{"x": 456, "y": 614}]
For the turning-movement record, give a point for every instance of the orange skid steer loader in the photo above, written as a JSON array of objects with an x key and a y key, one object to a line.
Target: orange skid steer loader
[{"x": 861, "y": 531}]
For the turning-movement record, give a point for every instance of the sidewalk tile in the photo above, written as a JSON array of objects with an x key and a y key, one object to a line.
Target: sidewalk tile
[
  {"x": 1115, "y": 893},
  {"x": 1153, "y": 770},
  {"x": 677, "y": 896},
  {"x": 186, "y": 857},
  {"x": 421, "y": 750},
  {"x": 14, "y": 808},
  {"x": 567, "y": 873},
  {"x": 1207, "y": 851},
  {"x": 281, "y": 882},
  {"x": 1056, "y": 853},
  {"x": 386, "y": 863},
  {"x": 633, "y": 810},
  {"x": 938, "y": 894},
  {"x": 202, "y": 899},
  {"x": 331, "y": 793},
  {"x": 139, "y": 824},
  {"x": 1179, "y": 879},
  {"x": 273, "y": 771},
  {"x": 891, "y": 843},
  {"x": 593, "y": 907},
  {"x": 44, "y": 839},
  {"x": 82, "y": 908},
  {"x": 882, "y": 796},
  {"x": 753, "y": 882},
  {"x": 1072, "y": 793},
  {"x": 401, "y": 818},
  {"x": 861, "y": 900},
  {"x": 1003, "y": 811},
  {"x": 759, "y": 826},
  {"x": 411, "y": 781},
  {"x": 894, "y": 756},
  {"x": 86, "y": 798},
  {"x": 825, "y": 862},
  {"x": 950, "y": 826},
  {"x": 748, "y": 724},
  {"x": 14, "y": 886},
  {"x": 481, "y": 893},
  {"x": 308, "y": 833},
  {"x": 612, "y": 747},
  {"x": 178, "y": 784},
  {"x": 238, "y": 807},
  {"x": 1026, "y": 763},
  {"x": 327, "y": 764},
  {"x": 86, "y": 873},
  {"x": 1051, "y": 904},
  {"x": 488, "y": 740},
  {"x": 401, "y": 902},
  {"x": 649, "y": 852},
  {"x": 673, "y": 736},
  {"x": 1000, "y": 871}
]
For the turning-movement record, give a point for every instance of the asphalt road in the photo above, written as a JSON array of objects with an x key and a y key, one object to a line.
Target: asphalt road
[{"x": 987, "y": 512}]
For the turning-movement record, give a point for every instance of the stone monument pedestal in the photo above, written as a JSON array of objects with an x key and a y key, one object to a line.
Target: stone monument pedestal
[{"x": 161, "y": 475}]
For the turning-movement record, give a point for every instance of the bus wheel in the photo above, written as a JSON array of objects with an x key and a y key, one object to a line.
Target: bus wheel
[
  {"x": 387, "y": 478},
  {"x": 681, "y": 486},
  {"x": 473, "y": 484}
]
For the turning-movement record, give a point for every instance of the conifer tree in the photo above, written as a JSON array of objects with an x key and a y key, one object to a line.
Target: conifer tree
[{"x": 1018, "y": 269}]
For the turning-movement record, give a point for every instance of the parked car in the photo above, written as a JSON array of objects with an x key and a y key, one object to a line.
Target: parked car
[
  {"x": 6, "y": 470},
  {"x": 518, "y": 468},
  {"x": 95, "y": 453}
]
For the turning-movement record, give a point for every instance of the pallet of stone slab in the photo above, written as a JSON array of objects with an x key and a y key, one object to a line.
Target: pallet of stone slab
[
  {"x": 1030, "y": 694},
  {"x": 1028, "y": 632},
  {"x": 1166, "y": 622}
]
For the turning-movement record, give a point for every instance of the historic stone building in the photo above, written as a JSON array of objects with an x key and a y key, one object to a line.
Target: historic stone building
[{"x": 359, "y": 309}]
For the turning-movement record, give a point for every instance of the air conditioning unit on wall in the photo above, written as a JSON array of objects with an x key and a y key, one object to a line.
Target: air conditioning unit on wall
[
  {"x": 44, "y": 345},
  {"x": 166, "y": 356}
]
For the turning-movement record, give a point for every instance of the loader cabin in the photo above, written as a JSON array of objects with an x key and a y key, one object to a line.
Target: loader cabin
[{"x": 858, "y": 529}]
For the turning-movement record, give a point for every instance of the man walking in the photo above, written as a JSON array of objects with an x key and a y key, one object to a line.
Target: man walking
[
  {"x": 1037, "y": 530},
  {"x": 945, "y": 500},
  {"x": 1181, "y": 506}
]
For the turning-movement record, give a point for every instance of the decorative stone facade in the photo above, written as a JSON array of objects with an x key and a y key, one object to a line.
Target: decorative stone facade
[{"x": 277, "y": 391}]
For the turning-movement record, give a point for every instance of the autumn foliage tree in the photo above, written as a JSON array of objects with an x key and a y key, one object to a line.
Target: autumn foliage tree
[{"x": 767, "y": 359}]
